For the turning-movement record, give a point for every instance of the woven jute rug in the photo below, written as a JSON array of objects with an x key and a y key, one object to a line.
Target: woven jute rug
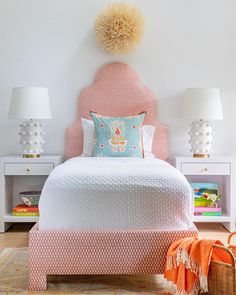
[{"x": 14, "y": 279}]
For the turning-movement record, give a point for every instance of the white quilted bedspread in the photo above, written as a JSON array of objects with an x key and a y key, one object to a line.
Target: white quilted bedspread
[{"x": 115, "y": 193}]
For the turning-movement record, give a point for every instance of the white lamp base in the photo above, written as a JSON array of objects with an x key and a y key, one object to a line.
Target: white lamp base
[
  {"x": 32, "y": 139},
  {"x": 201, "y": 138}
]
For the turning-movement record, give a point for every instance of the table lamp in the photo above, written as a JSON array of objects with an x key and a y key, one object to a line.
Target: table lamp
[
  {"x": 202, "y": 105},
  {"x": 30, "y": 103}
]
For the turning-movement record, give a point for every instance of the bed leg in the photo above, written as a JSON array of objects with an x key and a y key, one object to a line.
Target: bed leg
[{"x": 37, "y": 281}]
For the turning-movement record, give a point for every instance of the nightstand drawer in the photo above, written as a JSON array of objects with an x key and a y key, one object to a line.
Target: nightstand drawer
[
  {"x": 205, "y": 168},
  {"x": 28, "y": 169}
]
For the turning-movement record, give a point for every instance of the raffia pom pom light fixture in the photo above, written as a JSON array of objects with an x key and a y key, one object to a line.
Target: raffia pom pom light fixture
[{"x": 119, "y": 28}]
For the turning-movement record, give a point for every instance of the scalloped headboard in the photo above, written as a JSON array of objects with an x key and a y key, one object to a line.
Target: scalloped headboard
[{"x": 117, "y": 91}]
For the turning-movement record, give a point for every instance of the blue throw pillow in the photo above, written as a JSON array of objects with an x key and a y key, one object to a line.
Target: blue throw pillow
[{"x": 118, "y": 136}]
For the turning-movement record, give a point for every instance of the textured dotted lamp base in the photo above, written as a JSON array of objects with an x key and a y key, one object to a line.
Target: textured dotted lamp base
[
  {"x": 32, "y": 139},
  {"x": 201, "y": 138}
]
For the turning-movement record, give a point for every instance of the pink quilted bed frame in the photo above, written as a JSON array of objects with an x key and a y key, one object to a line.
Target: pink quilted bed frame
[{"x": 116, "y": 91}]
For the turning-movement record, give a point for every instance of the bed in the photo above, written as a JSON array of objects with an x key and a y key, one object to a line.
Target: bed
[{"x": 110, "y": 215}]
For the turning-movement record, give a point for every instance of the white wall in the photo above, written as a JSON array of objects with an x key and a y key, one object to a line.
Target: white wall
[{"x": 51, "y": 43}]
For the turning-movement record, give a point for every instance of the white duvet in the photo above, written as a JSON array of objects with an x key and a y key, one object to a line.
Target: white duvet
[{"x": 115, "y": 193}]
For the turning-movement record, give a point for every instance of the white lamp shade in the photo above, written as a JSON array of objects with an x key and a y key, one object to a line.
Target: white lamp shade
[
  {"x": 29, "y": 103},
  {"x": 202, "y": 103}
]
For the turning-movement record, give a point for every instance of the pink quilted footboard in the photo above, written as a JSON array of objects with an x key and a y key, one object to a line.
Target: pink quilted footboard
[{"x": 70, "y": 252}]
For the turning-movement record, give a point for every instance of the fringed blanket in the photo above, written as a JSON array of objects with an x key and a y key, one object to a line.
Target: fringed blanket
[{"x": 188, "y": 262}]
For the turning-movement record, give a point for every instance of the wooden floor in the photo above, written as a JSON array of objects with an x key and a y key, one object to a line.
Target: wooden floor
[{"x": 17, "y": 235}]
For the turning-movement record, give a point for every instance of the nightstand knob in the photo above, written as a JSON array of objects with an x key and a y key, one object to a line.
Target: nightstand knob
[
  {"x": 28, "y": 169},
  {"x": 204, "y": 169}
]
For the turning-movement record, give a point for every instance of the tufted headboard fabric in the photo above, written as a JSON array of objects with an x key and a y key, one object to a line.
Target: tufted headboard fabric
[{"x": 118, "y": 92}]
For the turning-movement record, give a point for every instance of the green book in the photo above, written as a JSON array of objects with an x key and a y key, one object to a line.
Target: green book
[{"x": 211, "y": 213}]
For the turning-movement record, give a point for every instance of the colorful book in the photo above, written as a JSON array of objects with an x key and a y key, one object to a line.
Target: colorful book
[
  {"x": 200, "y": 188},
  {"x": 207, "y": 213},
  {"x": 207, "y": 209},
  {"x": 26, "y": 214},
  {"x": 204, "y": 185},
  {"x": 22, "y": 208}
]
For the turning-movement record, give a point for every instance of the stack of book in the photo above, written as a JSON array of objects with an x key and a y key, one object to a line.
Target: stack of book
[
  {"x": 24, "y": 210},
  {"x": 207, "y": 211},
  {"x": 204, "y": 204}
]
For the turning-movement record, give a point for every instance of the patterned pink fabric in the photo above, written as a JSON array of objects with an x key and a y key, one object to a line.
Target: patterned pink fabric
[
  {"x": 117, "y": 91},
  {"x": 71, "y": 252}
]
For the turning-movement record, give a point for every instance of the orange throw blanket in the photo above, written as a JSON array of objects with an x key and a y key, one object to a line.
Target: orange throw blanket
[{"x": 187, "y": 264}]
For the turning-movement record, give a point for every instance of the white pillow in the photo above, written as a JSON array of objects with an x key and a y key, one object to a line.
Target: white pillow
[
  {"x": 148, "y": 133},
  {"x": 89, "y": 136}
]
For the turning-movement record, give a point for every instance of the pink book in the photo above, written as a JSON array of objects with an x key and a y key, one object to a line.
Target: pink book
[{"x": 207, "y": 209}]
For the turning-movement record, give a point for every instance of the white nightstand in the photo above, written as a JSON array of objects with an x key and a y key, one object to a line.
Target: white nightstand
[
  {"x": 218, "y": 170},
  {"x": 19, "y": 174}
]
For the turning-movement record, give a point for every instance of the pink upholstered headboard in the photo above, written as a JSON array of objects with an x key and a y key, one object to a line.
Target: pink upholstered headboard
[{"x": 117, "y": 91}]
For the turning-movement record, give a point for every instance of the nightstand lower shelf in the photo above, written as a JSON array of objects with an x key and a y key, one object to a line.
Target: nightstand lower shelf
[
  {"x": 10, "y": 218},
  {"x": 223, "y": 218}
]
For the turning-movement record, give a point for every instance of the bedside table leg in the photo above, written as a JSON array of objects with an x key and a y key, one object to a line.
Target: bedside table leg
[
  {"x": 230, "y": 226},
  {"x": 4, "y": 226}
]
